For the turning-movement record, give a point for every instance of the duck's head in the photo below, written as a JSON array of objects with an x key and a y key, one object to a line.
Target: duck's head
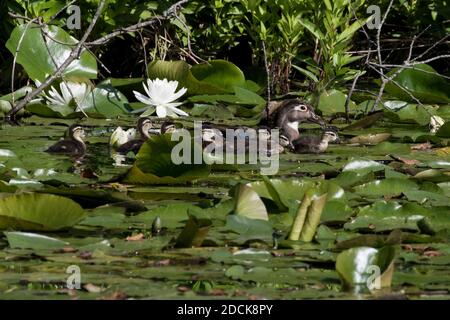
[
  {"x": 144, "y": 125},
  {"x": 297, "y": 111},
  {"x": 76, "y": 132},
  {"x": 168, "y": 127},
  {"x": 330, "y": 134}
]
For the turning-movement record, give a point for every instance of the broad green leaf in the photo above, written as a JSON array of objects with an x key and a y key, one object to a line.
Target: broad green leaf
[
  {"x": 388, "y": 215},
  {"x": 249, "y": 204},
  {"x": 358, "y": 266},
  {"x": 213, "y": 77},
  {"x": 423, "y": 82},
  {"x": 333, "y": 101},
  {"x": 195, "y": 230},
  {"x": 36, "y": 211},
  {"x": 37, "y": 60},
  {"x": 387, "y": 187},
  {"x": 154, "y": 162},
  {"x": 26, "y": 240}
]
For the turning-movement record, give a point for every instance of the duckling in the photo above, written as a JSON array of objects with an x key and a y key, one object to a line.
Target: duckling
[
  {"x": 143, "y": 126},
  {"x": 262, "y": 141},
  {"x": 316, "y": 144},
  {"x": 293, "y": 112},
  {"x": 167, "y": 127},
  {"x": 73, "y": 145}
]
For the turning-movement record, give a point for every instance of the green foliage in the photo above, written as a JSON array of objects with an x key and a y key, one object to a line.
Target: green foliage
[{"x": 41, "y": 58}]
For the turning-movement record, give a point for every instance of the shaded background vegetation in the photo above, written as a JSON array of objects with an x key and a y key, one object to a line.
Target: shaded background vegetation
[{"x": 236, "y": 29}]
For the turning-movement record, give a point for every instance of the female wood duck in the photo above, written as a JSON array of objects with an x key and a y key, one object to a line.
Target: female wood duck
[
  {"x": 143, "y": 126},
  {"x": 73, "y": 145},
  {"x": 293, "y": 112},
  {"x": 316, "y": 144}
]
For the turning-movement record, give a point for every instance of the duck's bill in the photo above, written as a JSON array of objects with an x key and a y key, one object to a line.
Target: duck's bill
[{"x": 318, "y": 120}]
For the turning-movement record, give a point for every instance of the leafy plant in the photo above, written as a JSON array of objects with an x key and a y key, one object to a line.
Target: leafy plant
[{"x": 333, "y": 27}]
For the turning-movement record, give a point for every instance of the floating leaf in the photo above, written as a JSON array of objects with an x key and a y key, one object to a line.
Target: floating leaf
[
  {"x": 195, "y": 230},
  {"x": 388, "y": 215},
  {"x": 154, "y": 162},
  {"x": 367, "y": 267},
  {"x": 26, "y": 240},
  {"x": 35, "y": 211},
  {"x": 249, "y": 204},
  {"x": 386, "y": 187}
]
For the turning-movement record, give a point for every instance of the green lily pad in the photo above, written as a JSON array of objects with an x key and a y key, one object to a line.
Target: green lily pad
[
  {"x": 34, "y": 211},
  {"x": 26, "y": 240},
  {"x": 358, "y": 267},
  {"x": 388, "y": 215},
  {"x": 386, "y": 187},
  {"x": 213, "y": 77},
  {"x": 154, "y": 163}
]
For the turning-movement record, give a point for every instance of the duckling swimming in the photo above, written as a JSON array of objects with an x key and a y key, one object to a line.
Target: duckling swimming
[
  {"x": 316, "y": 144},
  {"x": 73, "y": 145},
  {"x": 143, "y": 126},
  {"x": 167, "y": 127}
]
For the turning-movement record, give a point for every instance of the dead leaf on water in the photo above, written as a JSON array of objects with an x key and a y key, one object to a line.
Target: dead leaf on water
[{"x": 137, "y": 237}]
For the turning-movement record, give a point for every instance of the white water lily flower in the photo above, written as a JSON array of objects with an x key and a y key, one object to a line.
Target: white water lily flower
[
  {"x": 69, "y": 91},
  {"x": 162, "y": 95},
  {"x": 120, "y": 136}
]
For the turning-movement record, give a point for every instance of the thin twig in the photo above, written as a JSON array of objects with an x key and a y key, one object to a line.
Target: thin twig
[
  {"x": 165, "y": 16},
  {"x": 61, "y": 10}
]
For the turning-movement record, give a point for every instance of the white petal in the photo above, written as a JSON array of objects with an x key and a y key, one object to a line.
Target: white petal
[
  {"x": 143, "y": 98},
  {"x": 177, "y": 95},
  {"x": 161, "y": 111},
  {"x": 176, "y": 110}
]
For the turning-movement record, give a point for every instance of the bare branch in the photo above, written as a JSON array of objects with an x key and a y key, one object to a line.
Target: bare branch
[{"x": 165, "y": 16}]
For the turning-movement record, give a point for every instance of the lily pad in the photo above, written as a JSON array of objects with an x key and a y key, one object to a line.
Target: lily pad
[
  {"x": 213, "y": 77},
  {"x": 365, "y": 266},
  {"x": 34, "y": 211},
  {"x": 27, "y": 240}
]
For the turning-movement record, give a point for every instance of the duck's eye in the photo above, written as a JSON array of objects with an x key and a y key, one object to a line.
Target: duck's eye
[{"x": 302, "y": 108}]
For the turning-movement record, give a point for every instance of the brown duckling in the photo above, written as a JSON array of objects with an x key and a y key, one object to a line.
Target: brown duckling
[
  {"x": 143, "y": 126},
  {"x": 73, "y": 145},
  {"x": 167, "y": 127},
  {"x": 316, "y": 144}
]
